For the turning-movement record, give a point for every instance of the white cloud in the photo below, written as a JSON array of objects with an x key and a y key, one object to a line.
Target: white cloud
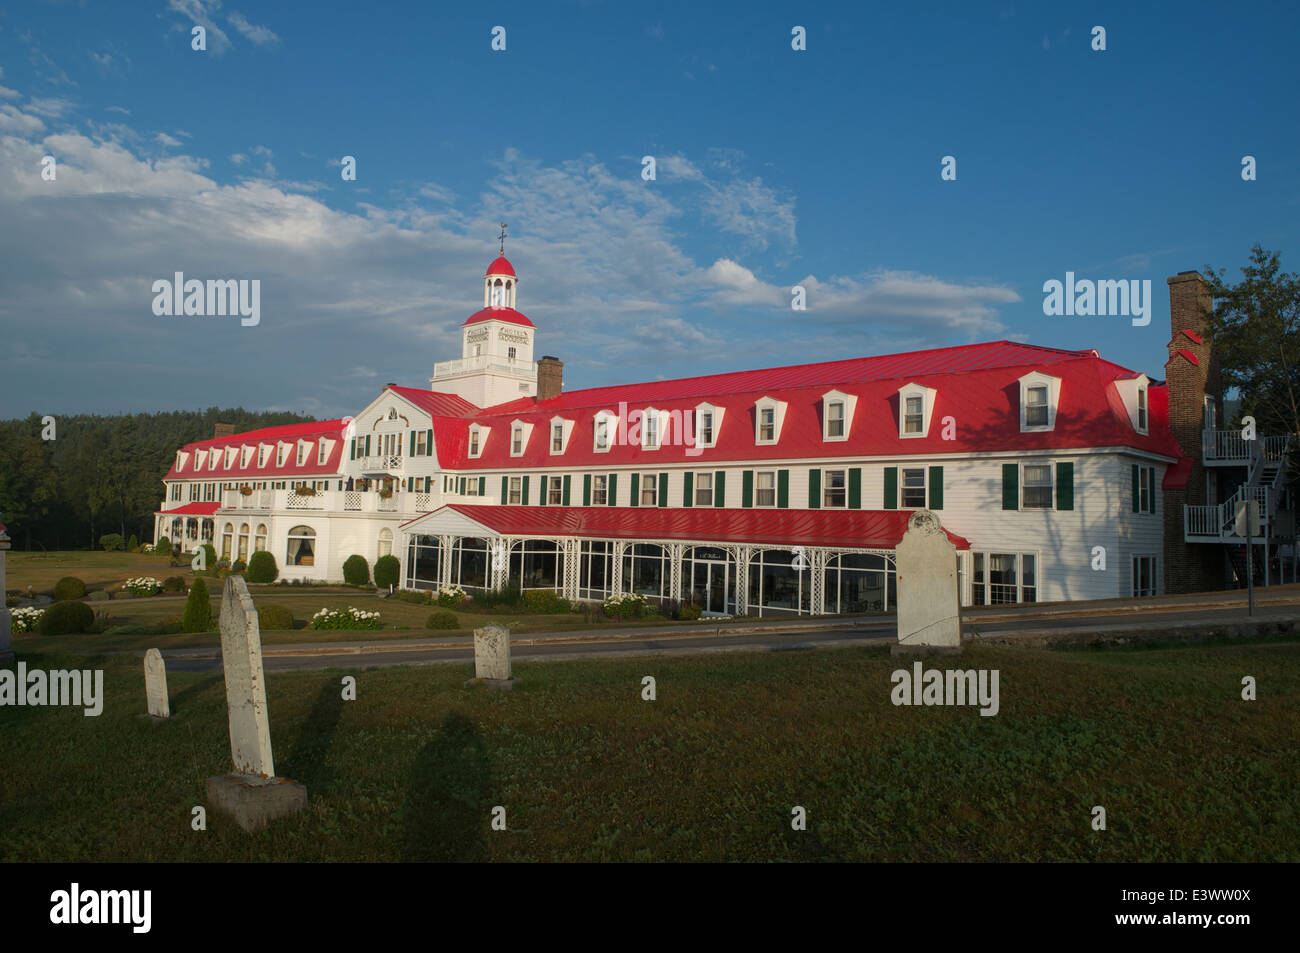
[
  {"x": 199, "y": 13},
  {"x": 166, "y": 140},
  {"x": 17, "y": 122},
  {"x": 259, "y": 35},
  {"x": 7, "y": 93},
  {"x": 49, "y": 107}
]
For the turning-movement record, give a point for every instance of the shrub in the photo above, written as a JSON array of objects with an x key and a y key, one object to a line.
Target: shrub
[
  {"x": 223, "y": 572},
  {"x": 198, "y": 610},
  {"x": 388, "y": 571},
  {"x": 238, "y": 566},
  {"x": 689, "y": 612},
  {"x": 110, "y": 542},
  {"x": 133, "y": 544},
  {"x": 544, "y": 600},
  {"x": 25, "y": 620},
  {"x": 163, "y": 546},
  {"x": 449, "y": 597},
  {"x": 349, "y": 618},
  {"x": 66, "y": 618},
  {"x": 625, "y": 606},
  {"x": 442, "y": 620},
  {"x": 356, "y": 571},
  {"x": 210, "y": 563},
  {"x": 420, "y": 596},
  {"x": 146, "y": 547},
  {"x": 274, "y": 617},
  {"x": 174, "y": 584},
  {"x": 69, "y": 587},
  {"x": 261, "y": 567},
  {"x": 508, "y": 596},
  {"x": 142, "y": 586}
]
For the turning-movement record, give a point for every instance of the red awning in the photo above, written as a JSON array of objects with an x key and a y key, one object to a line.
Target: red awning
[
  {"x": 856, "y": 529},
  {"x": 191, "y": 509}
]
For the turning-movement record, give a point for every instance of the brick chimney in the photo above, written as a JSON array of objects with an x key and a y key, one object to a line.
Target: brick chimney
[
  {"x": 223, "y": 429},
  {"x": 1191, "y": 374},
  {"x": 550, "y": 377}
]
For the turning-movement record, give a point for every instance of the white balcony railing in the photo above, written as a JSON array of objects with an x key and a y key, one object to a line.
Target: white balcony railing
[
  {"x": 384, "y": 463},
  {"x": 486, "y": 362},
  {"x": 257, "y": 500}
]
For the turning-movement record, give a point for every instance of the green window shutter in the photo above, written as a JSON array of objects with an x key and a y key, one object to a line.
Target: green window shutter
[
  {"x": 688, "y": 488},
  {"x": 564, "y": 495},
  {"x": 855, "y": 488},
  {"x": 482, "y": 486},
  {"x": 1011, "y": 486},
  {"x": 412, "y": 453},
  {"x": 367, "y": 445},
  {"x": 719, "y": 488},
  {"x": 460, "y": 485},
  {"x": 428, "y": 484},
  {"x": 636, "y": 486},
  {"x": 1065, "y": 486},
  {"x": 613, "y": 489},
  {"x": 505, "y": 491},
  {"x": 524, "y": 496},
  {"x": 936, "y": 488},
  {"x": 747, "y": 488},
  {"x": 663, "y": 489},
  {"x": 586, "y": 489},
  {"x": 541, "y": 489},
  {"x": 1137, "y": 489},
  {"x": 428, "y": 442},
  {"x": 891, "y": 488},
  {"x": 814, "y": 489},
  {"x": 783, "y": 489},
  {"x": 354, "y": 449}
]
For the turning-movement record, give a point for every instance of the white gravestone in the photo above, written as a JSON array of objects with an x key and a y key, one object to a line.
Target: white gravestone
[
  {"x": 929, "y": 613},
  {"x": 155, "y": 684},
  {"x": 6, "y": 653},
  {"x": 252, "y": 795},
  {"x": 492, "y": 657}
]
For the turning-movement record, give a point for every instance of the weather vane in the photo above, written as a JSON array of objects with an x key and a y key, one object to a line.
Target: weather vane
[{"x": 502, "y": 236}]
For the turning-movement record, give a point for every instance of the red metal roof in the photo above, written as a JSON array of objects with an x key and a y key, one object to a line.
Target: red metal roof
[
  {"x": 509, "y": 315},
  {"x": 311, "y": 431},
  {"x": 862, "y": 529},
  {"x": 436, "y": 404},
  {"x": 1191, "y": 334},
  {"x": 1192, "y": 358},
  {"x": 501, "y": 266},
  {"x": 191, "y": 509}
]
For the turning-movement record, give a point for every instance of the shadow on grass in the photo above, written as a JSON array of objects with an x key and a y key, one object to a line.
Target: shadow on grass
[
  {"x": 447, "y": 807},
  {"x": 307, "y": 760},
  {"x": 179, "y": 700}
]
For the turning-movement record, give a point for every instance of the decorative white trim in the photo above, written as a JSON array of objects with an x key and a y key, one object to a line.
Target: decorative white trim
[
  {"x": 566, "y": 428},
  {"x": 850, "y": 402},
  {"x": 481, "y": 432},
  {"x": 1053, "y": 385},
  {"x": 778, "y": 418},
  {"x": 927, "y": 395}
]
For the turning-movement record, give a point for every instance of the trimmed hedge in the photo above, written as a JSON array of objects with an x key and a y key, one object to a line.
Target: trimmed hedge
[
  {"x": 69, "y": 587},
  {"x": 111, "y": 542},
  {"x": 66, "y": 618},
  {"x": 198, "y": 610},
  {"x": 274, "y": 617},
  {"x": 442, "y": 620},
  {"x": 388, "y": 571},
  {"x": 545, "y": 600},
  {"x": 163, "y": 547},
  {"x": 261, "y": 567},
  {"x": 356, "y": 571},
  {"x": 133, "y": 544},
  {"x": 174, "y": 584}
]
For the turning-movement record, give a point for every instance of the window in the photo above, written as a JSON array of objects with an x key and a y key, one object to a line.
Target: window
[
  {"x": 302, "y": 547},
  {"x": 511, "y": 353},
  {"x": 704, "y": 489},
  {"x": 281, "y": 452},
  {"x": 834, "y": 493},
  {"x": 602, "y": 433},
  {"x": 515, "y": 491},
  {"x": 1144, "y": 576},
  {"x": 913, "y": 414},
  {"x": 194, "y": 491},
  {"x": 478, "y": 350},
  {"x": 835, "y": 419},
  {"x": 649, "y": 489},
  {"x": 1038, "y": 486},
  {"x": 262, "y": 452},
  {"x": 914, "y": 488},
  {"x": 302, "y": 453},
  {"x": 650, "y": 430},
  {"x": 766, "y": 424},
  {"x": 517, "y": 440},
  {"x": 554, "y": 491},
  {"x": 557, "y": 437},
  {"x": 704, "y": 428},
  {"x": 473, "y": 443},
  {"x": 471, "y": 486},
  {"x": 321, "y": 454},
  {"x": 1003, "y": 578},
  {"x": 227, "y": 537},
  {"x": 765, "y": 488},
  {"x": 1142, "y": 410},
  {"x": 1144, "y": 489},
  {"x": 1036, "y": 406},
  {"x": 243, "y": 542},
  {"x": 421, "y": 443},
  {"x": 600, "y": 489},
  {"x": 259, "y": 541},
  {"x": 385, "y": 547}
]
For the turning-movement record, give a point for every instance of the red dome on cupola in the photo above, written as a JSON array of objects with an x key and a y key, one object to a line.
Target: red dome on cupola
[{"x": 501, "y": 267}]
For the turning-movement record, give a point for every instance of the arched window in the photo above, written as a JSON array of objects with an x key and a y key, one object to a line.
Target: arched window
[
  {"x": 385, "y": 542},
  {"x": 302, "y": 547},
  {"x": 259, "y": 543},
  {"x": 227, "y": 538},
  {"x": 243, "y": 542}
]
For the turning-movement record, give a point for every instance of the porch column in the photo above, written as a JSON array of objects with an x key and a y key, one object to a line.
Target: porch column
[
  {"x": 818, "y": 559},
  {"x": 499, "y": 572},
  {"x": 445, "y": 544},
  {"x": 675, "y": 553},
  {"x": 571, "y": 550},
  {"x": 616, "y": 575},
  {"x": 743, "y": 554}
]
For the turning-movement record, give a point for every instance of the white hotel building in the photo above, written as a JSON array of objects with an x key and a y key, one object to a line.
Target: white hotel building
[{"x": 777, "y": 491}]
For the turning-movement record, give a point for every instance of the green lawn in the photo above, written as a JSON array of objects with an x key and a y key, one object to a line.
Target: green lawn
[{"x": 710, "y": 771}]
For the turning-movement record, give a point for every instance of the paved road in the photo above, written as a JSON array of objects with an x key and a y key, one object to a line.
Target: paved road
[{"x": 558, "y": 648}]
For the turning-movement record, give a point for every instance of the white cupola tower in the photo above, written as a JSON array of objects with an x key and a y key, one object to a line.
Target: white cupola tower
[{"x": 496, "y": 362}]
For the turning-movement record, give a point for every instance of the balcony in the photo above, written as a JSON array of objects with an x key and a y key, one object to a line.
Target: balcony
[
  {"x": 382, "y": 464},
  {"x": 327, "y": 501},
  {"x": 257, "y": 500},
  {"x": 485, "y": 362},
  {"x": 1227, "y": 448}
]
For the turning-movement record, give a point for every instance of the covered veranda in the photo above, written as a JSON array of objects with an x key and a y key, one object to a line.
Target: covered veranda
[{"x": 188, "y": 526}]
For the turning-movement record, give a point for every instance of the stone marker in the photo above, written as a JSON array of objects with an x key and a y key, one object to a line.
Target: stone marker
[
  {"x": 492, "y": 658},
  {"x": 155, "y": 685},
  {"x": 252, "y": 795},
  {"x": 929, "y": 619},
  {"x": 6, "y": 653}
]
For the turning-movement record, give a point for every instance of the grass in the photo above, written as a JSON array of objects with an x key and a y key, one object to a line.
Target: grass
[{"x": 587, "y": 770}]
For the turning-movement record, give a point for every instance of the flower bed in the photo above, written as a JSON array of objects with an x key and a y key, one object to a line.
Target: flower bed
[
  {"x": 451, "y": 596},
  {"x": 142, "y": 586},
  {"x": 24, "y": 620},
  {"x": 626, "y": 606},
  {"x": 349, "y": 618}
]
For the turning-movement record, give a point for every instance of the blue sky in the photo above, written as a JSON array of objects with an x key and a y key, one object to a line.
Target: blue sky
[{"x": 774, "y": 168}]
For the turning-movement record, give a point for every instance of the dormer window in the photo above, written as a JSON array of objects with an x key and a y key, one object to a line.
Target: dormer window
[
  {"x": 602, "y": 433},
  {"x": 262, "y": 451},
  {"x": 604, "y": 430},
  {"x": 321, "y": 453},
  {"x": 474, "y": 445},
  {"x": 230, "y": 458},
  {"x": 837, "y": 412},
  {"x": 281, "y": 452},
  {"x": 557, "y": 438},
  {"x": 516, "y": 440},
  {"x": 1039, "y": 395},
  {"x": 708, "y": 422},
  {"x": 245, "y": 454},
  {"x": 1142, "y": 410},
  {"x": 769, "y": 414},
  {"x": 302, "y": 453},
  {"x": 914, "y": 415},
  {"x": 767, "y": 424},
  {"x": 705, "y": 428},
  {"x": 213, "y": 459},
  {"x": 650, "y": 429},
  {"x": 835, "y": 419}
]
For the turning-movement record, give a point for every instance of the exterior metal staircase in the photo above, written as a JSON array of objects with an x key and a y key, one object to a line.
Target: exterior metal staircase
[{"x": 1266, "y": 461}]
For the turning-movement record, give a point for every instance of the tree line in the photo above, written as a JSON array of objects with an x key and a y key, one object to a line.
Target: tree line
[{"x": 99, "y": 474}]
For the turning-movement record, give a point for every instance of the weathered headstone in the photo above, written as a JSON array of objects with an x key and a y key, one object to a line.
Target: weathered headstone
[
  {"x": 492, "y": 658},
  {"x": 252, "y": 795},
  {"x": 155, "y": 685},
  {"x": 6, "y": 620},
  {"x": 929, "y": 610}
]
